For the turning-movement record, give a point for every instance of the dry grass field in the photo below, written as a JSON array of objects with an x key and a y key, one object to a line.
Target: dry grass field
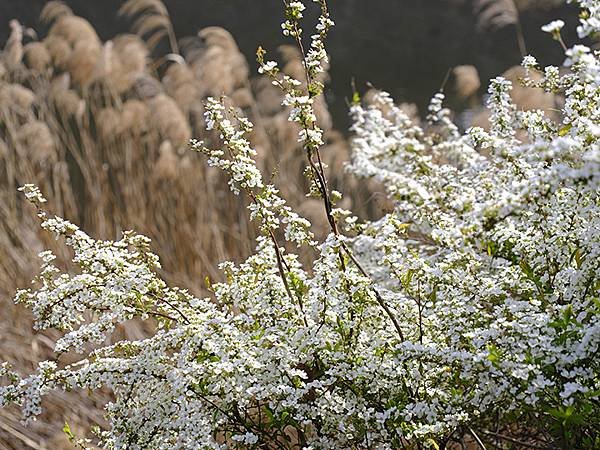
[{"x": 103, "y": 129}]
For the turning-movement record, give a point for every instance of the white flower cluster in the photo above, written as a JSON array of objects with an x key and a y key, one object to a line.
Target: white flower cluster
[
  {"x": 589, "y": 18},
  {"x": 300, "y": 94},
  {"x": 238, "y": 162},
  {"x": 33, "y": 193},
  {"x": 472, "y": 308}
]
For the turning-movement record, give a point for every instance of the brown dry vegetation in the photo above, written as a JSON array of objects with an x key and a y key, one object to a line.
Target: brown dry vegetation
[{"x": 103, "y": 129}]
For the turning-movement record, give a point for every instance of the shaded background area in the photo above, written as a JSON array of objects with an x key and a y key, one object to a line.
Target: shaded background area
[{"x": 403, "y": 46}]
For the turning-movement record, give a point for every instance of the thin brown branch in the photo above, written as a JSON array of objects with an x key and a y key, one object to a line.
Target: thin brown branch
[{"x": 517, "y": 441}]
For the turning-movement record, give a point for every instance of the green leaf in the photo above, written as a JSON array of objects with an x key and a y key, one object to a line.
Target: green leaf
[
  {"x": 494, "y": 355},
  {"x": 432, "y": 444},
  {"x": 565, "y": 130},
  {"x": 407, "y": 278},
  {"x": 67, "y": 430},
  {"x": 568, "y": 314},
  {"x": 527, "y": 270},
  {"x": 270, "y": 417},
  {"x": 592, "y": 394}
]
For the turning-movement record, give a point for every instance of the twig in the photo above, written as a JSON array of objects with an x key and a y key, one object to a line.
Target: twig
[
  {"x": 319, "y": 173},
  {"x": 477, "y": 438},
  {"x": 516, "y": 441},
  {"x": 378, "y": 296}
]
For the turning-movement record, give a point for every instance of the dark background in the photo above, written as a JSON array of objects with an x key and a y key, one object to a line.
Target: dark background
[{"x": 403, "y": 46}]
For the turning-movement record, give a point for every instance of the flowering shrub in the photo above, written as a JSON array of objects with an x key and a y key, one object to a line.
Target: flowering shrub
[{"x": 470, "y": 312}]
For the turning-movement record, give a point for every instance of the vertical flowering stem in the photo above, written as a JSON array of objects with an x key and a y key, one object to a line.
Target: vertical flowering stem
[
  {"x": 314, "y": 88},
  {"x": 244, "y": 175},
  {"x": 302, "y": 112}
]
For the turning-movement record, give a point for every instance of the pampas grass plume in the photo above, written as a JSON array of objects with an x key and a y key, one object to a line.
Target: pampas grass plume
[
  {"x": 169, "y": 120},
  {"x": 36, "y": 56}
]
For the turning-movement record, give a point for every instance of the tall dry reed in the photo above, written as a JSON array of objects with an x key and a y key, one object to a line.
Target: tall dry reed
[{"x": 102, "y": 128}]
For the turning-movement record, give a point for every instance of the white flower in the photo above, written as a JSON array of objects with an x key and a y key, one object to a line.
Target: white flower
[
  {"x": 553, "y": 27},
  {"x": 267, "y": 67},
  {"x": 32, "y": 193},
  {"x": 529, "y": 62}
]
